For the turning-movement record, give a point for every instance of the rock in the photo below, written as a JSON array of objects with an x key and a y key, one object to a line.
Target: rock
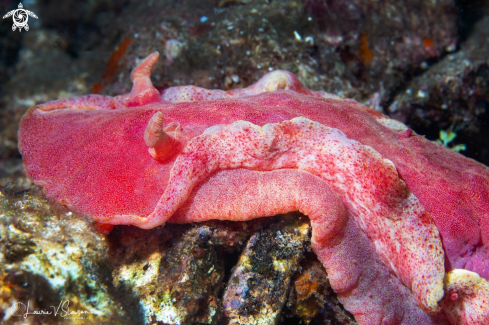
[
  {"x": 258, "y": 287},
  {"x": 51, "y": 260},
  {"x": 453, "y": 94},
  {"x": 176, "y": 273}
]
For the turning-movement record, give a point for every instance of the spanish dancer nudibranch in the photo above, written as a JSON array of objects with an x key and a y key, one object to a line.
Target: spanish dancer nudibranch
[{"x": 400, "y": 223}]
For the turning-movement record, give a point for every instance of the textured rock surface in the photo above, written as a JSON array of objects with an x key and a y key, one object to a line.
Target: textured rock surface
[
  {"x": 259, "y": 284},
  {"x": 311, "y": 291},
  {"x": 454, "y": 94},
  {"x": 181, "y": 274},
  {"x": 175, "y": 274},
  {"x": 353, "y": 48},
  {"x": 50, "y": 257}
]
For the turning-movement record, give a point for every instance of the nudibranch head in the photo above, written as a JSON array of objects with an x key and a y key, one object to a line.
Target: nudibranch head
[{"x": 162, "y": 141}]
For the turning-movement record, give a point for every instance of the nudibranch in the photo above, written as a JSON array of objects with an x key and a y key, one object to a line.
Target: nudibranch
[{"x": 400, "y": 223}]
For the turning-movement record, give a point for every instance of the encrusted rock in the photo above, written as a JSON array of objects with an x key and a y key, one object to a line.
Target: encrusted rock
[
  {"x": 176, "y": 281},
  {"x": 258, "y": 287},
  {"x": 452, "y": 94},
  {"x": 312, "y": 299},
  {"x": 378, "y": 42},
  {"x": 52, "y": 262}
]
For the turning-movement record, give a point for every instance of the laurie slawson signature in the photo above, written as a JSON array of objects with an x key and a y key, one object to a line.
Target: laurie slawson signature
[{"x": 19, "y": 309}]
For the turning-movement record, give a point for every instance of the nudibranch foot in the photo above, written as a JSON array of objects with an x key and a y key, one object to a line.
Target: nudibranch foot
[
  {"x": 162, "y": 141},
  {"x": 466, "y": 299},
  {"x": 129, "y": 219}
]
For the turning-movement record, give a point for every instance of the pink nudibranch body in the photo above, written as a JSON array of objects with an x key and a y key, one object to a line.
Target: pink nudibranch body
[{"x": 394, "y": 216}]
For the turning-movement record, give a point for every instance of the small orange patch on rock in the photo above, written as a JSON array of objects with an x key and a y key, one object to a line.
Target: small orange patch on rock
[
  {"x": 310, "y": 288},
  {"x": 103, "y": 228},
  {"x": 429, "y": 43},
  {"x": 364, "y": 51}
]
